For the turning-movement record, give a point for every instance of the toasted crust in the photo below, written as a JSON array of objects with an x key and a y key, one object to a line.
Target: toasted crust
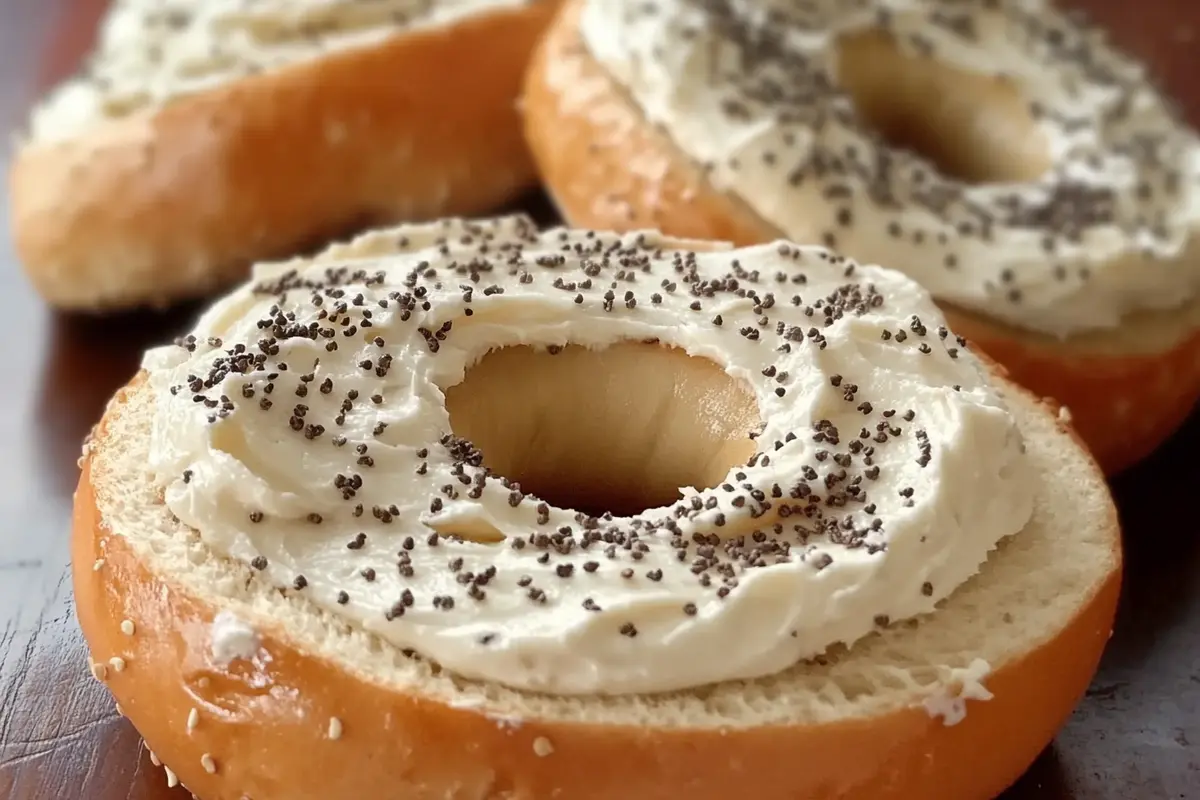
[
  {"x": 171, "y": 203},
  {"x": 270, "y": 738},
  {"x": 607, "y": 168}
]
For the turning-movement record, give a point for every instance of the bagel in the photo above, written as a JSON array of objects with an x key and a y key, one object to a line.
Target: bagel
[
  {"x": 1000, "y": 153},
  {"x": 201, "y": 137},
  {"x": 887, "y": 574}
]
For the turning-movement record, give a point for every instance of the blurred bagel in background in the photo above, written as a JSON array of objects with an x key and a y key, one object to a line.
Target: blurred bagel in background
[
  {"x": 1003, "y": 154},
  {"x": 202, "y": 136}
]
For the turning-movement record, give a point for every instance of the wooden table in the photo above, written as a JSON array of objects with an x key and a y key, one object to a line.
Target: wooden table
[{"x": 1136, "y": 735}]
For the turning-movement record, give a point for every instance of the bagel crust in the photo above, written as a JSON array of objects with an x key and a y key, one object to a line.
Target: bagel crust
[
  {"x": 297, "y": 725},
  {"x": 170, "y": 203},
  {"x": 607, "y": 167}
]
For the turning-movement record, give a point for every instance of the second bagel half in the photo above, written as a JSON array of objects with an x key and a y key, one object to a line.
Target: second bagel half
[
  {"x": 1056, "y": 230},
  {"x": 202, "y": 137}
]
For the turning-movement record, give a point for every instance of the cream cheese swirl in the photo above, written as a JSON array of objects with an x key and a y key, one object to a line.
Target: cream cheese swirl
[
  {"x": 302, "y": 429},
  {"x": 750, "y": 90},
  {"x": 153, "y": 51}
]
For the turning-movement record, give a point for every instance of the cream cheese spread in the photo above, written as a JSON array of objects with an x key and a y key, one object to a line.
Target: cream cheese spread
[
  {"x": 749, "y": 90},
  {"x": 302, "y": 429},
  {"x": 153, "y": 51}
]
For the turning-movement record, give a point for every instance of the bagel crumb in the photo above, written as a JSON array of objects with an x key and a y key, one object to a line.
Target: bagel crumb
[
  {"x": 98, "y": 670},
  {"x": 127, "y": 627},
  {"x": 172, "y": 780},
  {"x": 949, "y": 701},
  {"x": 335, "y": 729},
  {"x": 117, "y": 663},
  {"x": 210, "y": 765},
  {"x": 193, "y": 720},
  {"x": 98, "y": 565},
  {"x": 542, "y": 747}
]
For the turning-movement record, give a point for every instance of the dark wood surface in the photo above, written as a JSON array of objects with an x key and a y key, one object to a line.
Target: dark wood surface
[{"x": 1136, "y": 736}]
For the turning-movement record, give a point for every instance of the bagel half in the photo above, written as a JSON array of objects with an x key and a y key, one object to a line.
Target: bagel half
[
  {"x": 328, "y": 711},
  {"x": 170, "y": 202},
  {"x": 606, "y": 167}
]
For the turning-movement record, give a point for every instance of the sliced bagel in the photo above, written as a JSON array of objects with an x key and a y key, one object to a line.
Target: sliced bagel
[{"x": 955, "y": 704}]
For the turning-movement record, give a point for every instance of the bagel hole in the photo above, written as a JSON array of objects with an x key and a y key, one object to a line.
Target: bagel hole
[
  {"x": 972, "y": 128},
  {"x": 616, "y": 430}
]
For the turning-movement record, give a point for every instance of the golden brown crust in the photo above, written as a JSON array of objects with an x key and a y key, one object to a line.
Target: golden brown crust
[
  {"x": 268, "y": 738},
  {"x": 168, "y": 204},
  {"x": 607, "y": 168}
]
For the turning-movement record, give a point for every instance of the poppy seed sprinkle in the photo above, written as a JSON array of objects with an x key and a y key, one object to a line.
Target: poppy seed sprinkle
[{"x": 386, "y": 508}]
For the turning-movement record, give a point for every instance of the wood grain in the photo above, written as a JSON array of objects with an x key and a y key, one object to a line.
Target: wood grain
[{"x": 1136, "y": 736}]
